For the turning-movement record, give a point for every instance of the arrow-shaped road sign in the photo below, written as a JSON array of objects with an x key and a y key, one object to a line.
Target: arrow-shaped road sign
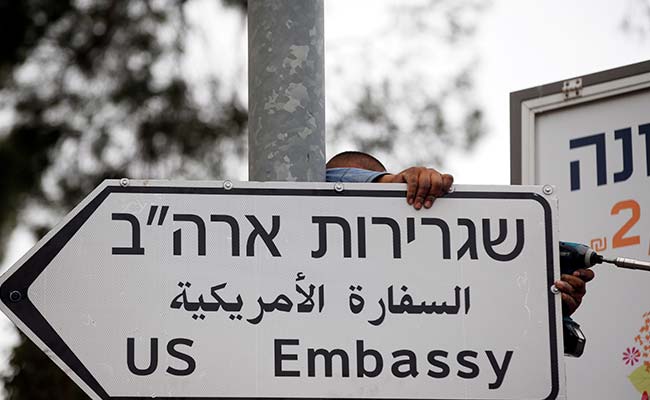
[{"x": 206, "y": 290}]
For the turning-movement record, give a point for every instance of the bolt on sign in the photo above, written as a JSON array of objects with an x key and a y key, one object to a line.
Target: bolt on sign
[{"x": 297, "y": 290}]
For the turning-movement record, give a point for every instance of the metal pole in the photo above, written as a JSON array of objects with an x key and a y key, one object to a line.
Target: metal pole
[{"x": 286, "y": 91}]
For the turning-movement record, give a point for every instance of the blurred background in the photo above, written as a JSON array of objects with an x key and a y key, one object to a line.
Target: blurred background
[{"x": 95, "y": 89}]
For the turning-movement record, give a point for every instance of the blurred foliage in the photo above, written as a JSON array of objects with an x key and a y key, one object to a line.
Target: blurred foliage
[
  {"x": 414, "y": 99},
  {"x": 636, "y": 20},
  {"x": 92, "y": 90},
  {"x": 39, "y": 378},
  {"x": 95, "y": 89}
]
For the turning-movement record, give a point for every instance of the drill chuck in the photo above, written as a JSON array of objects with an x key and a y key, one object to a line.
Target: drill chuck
[{"x": 628, "y": 263}]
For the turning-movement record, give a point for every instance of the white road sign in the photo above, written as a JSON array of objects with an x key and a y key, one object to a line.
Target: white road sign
[
  {"x": 590, "y": 137},
  {"x": 247, "y": 290}
]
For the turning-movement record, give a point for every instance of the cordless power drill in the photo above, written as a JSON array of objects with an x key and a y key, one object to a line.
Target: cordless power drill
[{"x": 574, "y": 256}]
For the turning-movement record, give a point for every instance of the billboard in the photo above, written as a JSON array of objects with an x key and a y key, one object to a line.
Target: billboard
[{"x": 590, "y": 137}]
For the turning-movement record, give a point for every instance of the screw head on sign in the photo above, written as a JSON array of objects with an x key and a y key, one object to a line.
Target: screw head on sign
[
  {"x": 124, "y": 182},
  {"x": 555, "y": 290},
  {"x": 452, "y": 189},
  {"x": 338, "y": 186},
  {"x": 547, "y": 189},
  {"x": 15, "y": 296},
  {"x": 227, "y": 185}
]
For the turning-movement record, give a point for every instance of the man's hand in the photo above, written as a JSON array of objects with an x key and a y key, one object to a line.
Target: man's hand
[
  {"x": 573, "y": 288},
  {"x": 423, "y": 185}
]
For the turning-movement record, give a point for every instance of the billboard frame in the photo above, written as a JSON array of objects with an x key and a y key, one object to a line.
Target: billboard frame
[{"x": 526, "y": 104}]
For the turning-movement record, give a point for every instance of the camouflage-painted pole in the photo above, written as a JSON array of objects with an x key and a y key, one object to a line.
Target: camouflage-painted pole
[{"x": 286, "y": 91}]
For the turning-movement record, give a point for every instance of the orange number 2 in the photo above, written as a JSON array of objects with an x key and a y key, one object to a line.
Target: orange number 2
[{"x": 619, "y": 239}]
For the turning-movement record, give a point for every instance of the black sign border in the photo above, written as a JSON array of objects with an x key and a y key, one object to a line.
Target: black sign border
[{"x": 24, "y": 276}]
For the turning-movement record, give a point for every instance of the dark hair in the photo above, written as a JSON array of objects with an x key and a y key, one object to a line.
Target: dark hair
[{"x": 356, "y": 159}]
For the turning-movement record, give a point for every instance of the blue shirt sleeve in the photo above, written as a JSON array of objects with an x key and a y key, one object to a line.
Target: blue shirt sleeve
[{"x": 352, "y": 175}]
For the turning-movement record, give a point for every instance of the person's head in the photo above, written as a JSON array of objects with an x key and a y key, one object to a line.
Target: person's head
[{"x": 356, "y": 159}]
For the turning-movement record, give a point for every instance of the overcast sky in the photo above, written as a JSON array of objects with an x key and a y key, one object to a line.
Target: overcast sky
[
  {"x": 530, "y": 43},
  {"x": 521, "y": 44}
]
